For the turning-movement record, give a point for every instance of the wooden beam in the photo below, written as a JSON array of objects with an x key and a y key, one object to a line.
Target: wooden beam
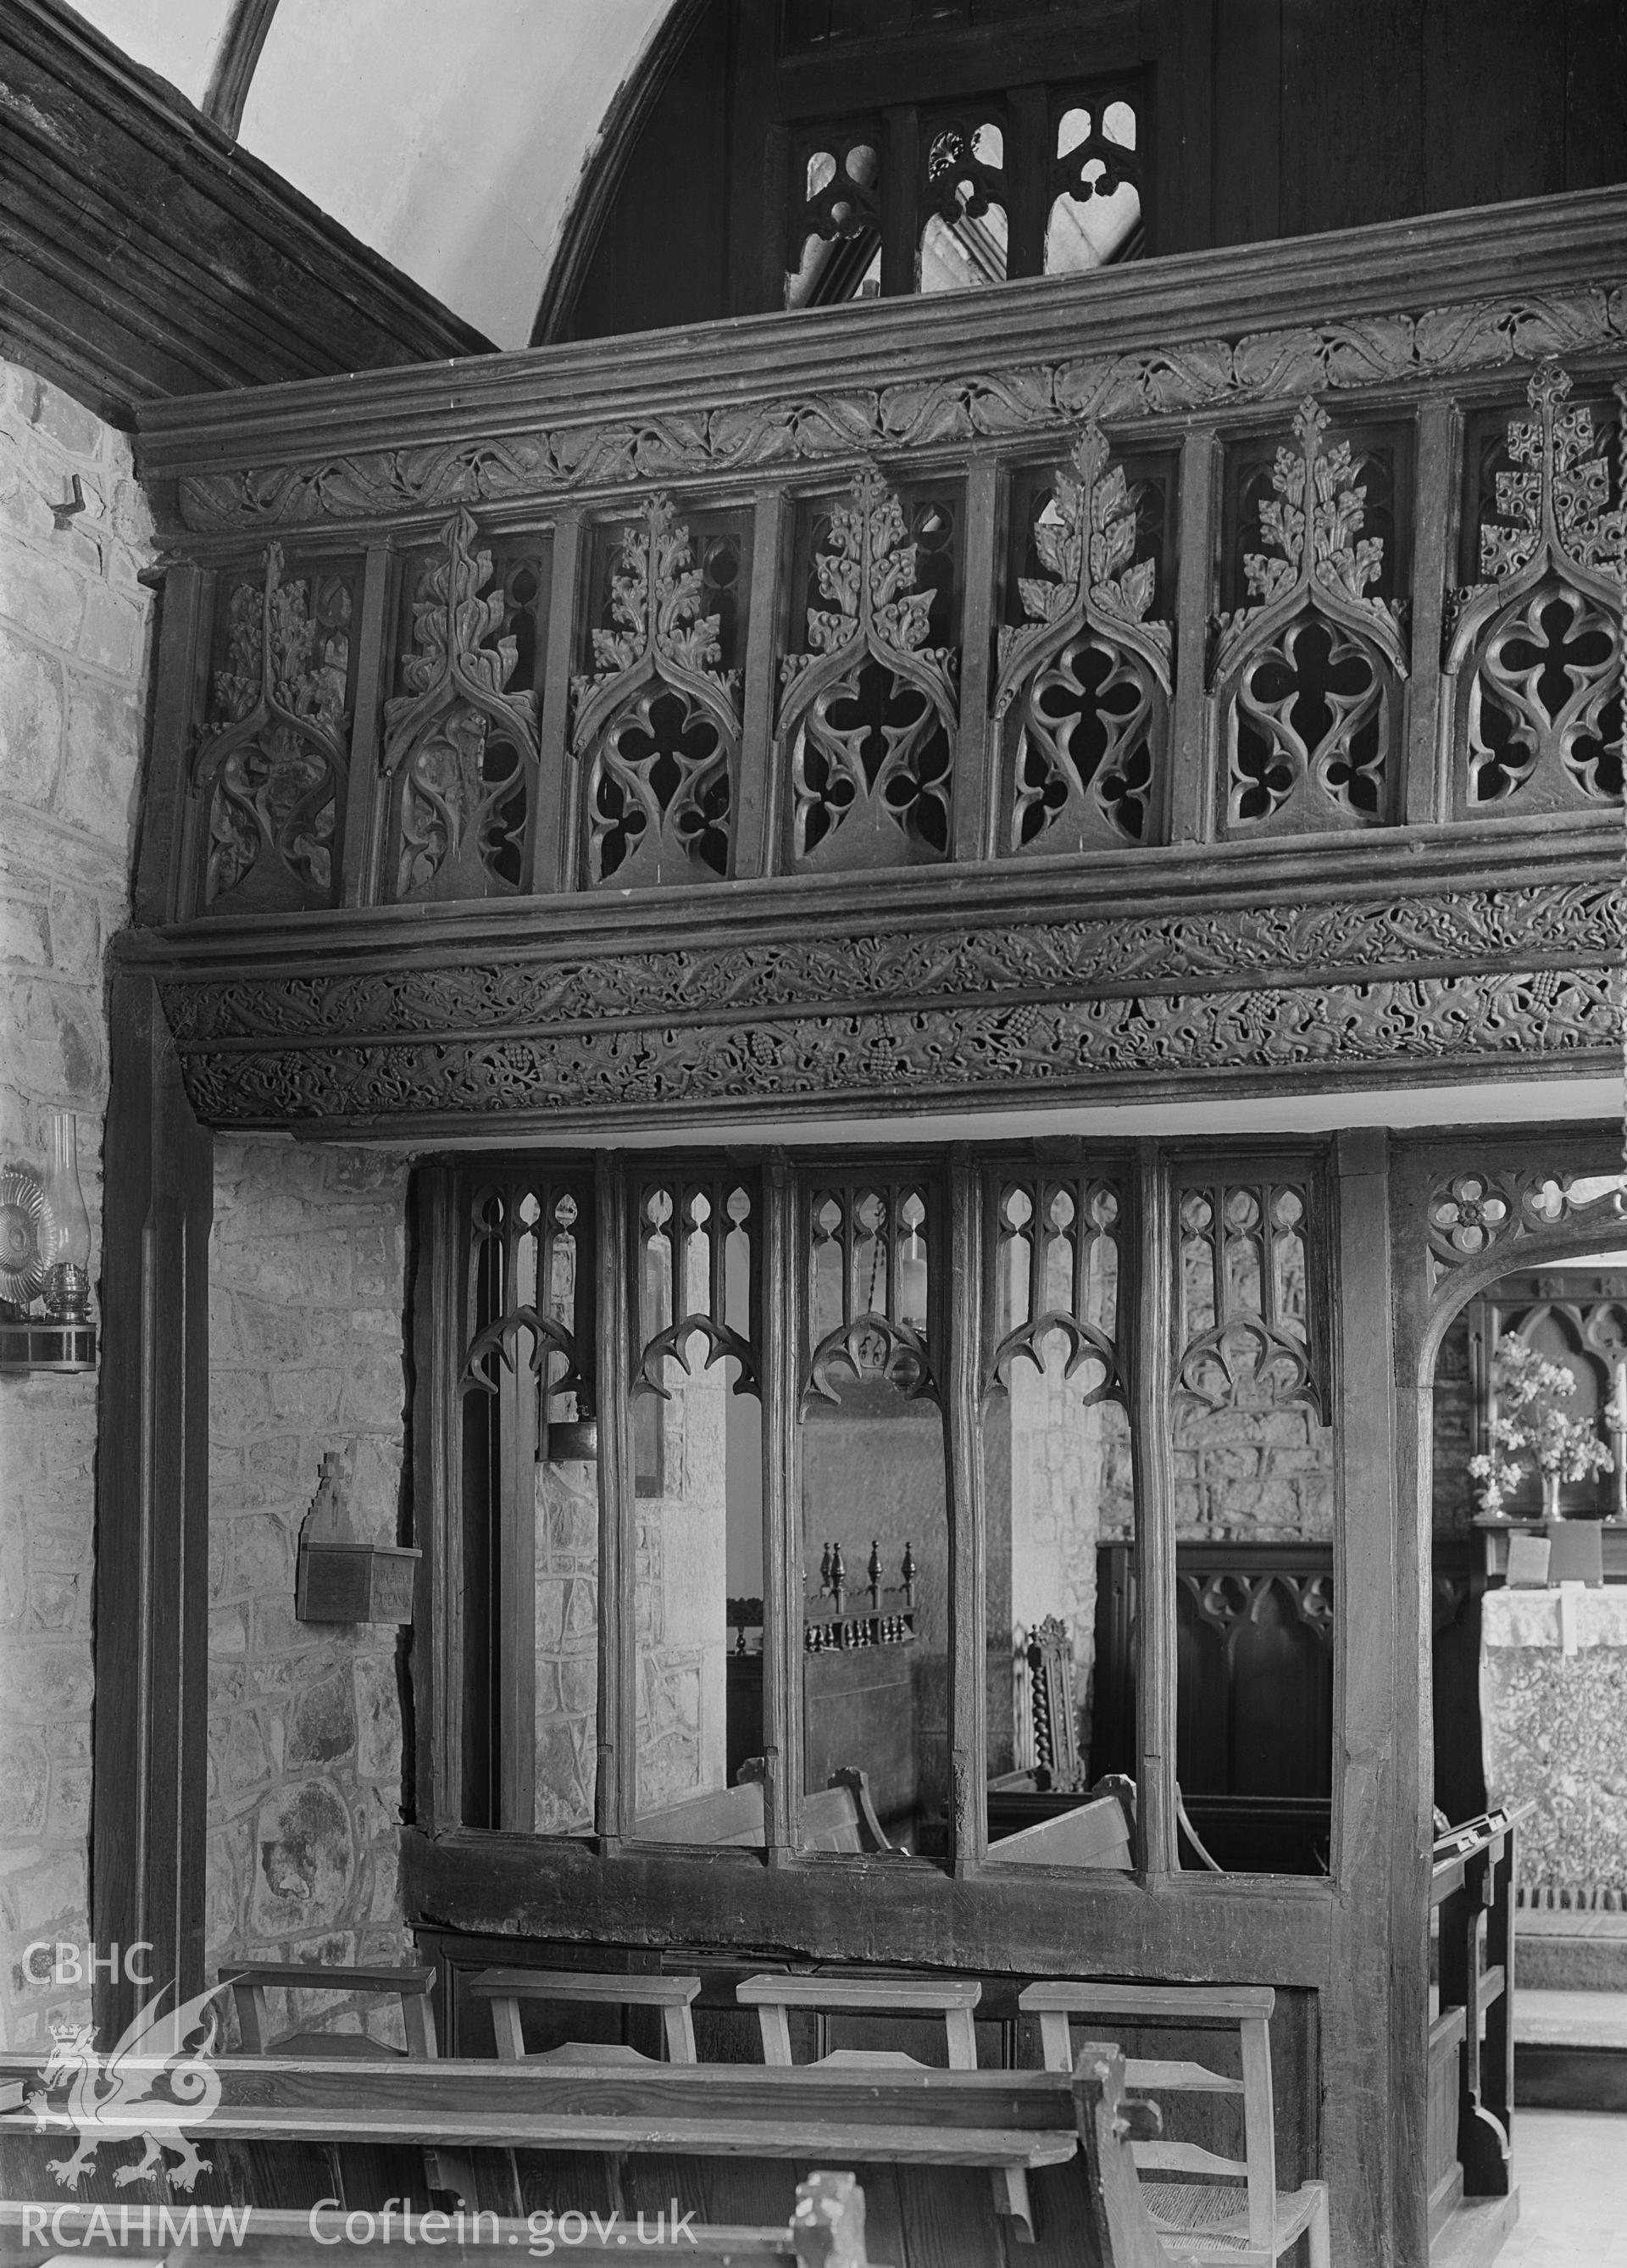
[
  {"x": 235, "y": 59},
  {"x": 960, "y": 1305},
  {"x": 1152, "y": 1279},
  {"x": 1377, "y": 2075},
  {"x": 440, "y": 1637},
  {"x": 152, "y": 1646},
  {"x": 782, "y": 1524},
  {"x": 143, "y": 254},
  {"x": 617, "y": 1795}
]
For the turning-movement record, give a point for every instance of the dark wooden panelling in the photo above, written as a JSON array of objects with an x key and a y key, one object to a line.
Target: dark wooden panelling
[
  {"x": 152, "y": 1516},
  {"x": 1246, "y": 143},
  {"x": 1353, "y": 114},
  {"x": 1494, "y": 81},
  {"x": 662, "y": 253},
  {"x": 1595, "y": 100},
  {"x": 145, "y": 255}
]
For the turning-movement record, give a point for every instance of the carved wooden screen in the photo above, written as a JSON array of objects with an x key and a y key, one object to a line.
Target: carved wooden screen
[
  {"x": 697, "y": 1309},
  {"x": 1057, "y": 1466},
  {"x": 458, "y": 766},
  {"x": 869, "y": 703},
  {"x": 1535, "y": 639},
  {"x": 1082, "y": 696},
  {"x": 1254, "y": 1468},
  {"x": 529, "y": 1551},
  {"x": 656, "y": 711},
  {"x": 270, "y": 777},
  {"x": 1310, "y": 648}
]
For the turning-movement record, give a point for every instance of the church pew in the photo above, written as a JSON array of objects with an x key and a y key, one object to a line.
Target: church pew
[{"x": 928, "y": 2129}]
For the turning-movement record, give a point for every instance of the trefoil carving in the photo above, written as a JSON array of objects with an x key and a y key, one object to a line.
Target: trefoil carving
[
  {"x": 460, "y": 750},
  {"x": 656, "y": 723},
  {"x": 1085, "y": 681},
  {"x": 1537, "y": 645},
  {"x": 868, "y": 714},
  {"x": 1308, "y": 675},
  {"x": 271, "y": 772}
]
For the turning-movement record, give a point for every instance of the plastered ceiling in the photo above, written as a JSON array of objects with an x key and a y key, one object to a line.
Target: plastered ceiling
[{"x": 449, "y": 135}]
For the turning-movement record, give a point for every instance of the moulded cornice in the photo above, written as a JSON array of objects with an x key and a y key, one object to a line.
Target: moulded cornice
[{"x": 1451, "y": 294}]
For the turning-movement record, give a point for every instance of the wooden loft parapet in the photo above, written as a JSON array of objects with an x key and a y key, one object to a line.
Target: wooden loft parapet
[{"x": 541, "y": 800}]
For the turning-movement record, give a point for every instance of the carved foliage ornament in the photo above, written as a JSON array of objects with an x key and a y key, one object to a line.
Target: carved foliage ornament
[
  {"x": 459, "y": 750},
  {"x": 1087, "y": 678},
  {"x": 1473, "y": 1211},
  {"x": 1539, "y": 641},
  {"x": 867, "y": 715},
  {"x": 271, "y": 772},
  {"x": 879, "y": 964},
  {"x": 657, "y": 722},
  {"x": 1382, "y": 1026},
  {"x": 1308, "y": 674},
  {"x": 1270, "y": 365}
]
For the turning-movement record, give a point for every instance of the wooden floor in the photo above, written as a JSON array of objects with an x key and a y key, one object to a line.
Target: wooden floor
[{"x": 1571, "y": 2166}]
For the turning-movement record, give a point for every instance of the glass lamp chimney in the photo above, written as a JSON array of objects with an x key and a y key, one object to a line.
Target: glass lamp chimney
[{"x": 68, "y": 1278}]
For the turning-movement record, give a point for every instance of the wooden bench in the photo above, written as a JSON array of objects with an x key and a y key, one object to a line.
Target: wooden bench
[
  {"x": 839, "y": 1817},
  {"x": 507, "y": 1989},
  {"x": 952, "y": 1998},
  {"x": 1069, "y": 2128},
  {"x": 251, "y": 1981},
  {"x": 1203, "y": 2215}
]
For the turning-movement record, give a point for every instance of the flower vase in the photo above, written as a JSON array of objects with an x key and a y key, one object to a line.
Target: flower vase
[{"x": 1550, "y": 1497}]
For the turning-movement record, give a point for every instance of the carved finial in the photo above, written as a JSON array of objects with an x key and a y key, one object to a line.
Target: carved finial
[{"x": 328, "y": 1520}]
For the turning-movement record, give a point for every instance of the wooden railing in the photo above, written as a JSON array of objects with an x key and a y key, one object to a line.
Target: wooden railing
[{"x": 1120, "y": 632}]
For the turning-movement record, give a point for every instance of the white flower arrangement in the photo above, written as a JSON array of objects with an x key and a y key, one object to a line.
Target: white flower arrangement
[{"x": 1528, "y": 1423}]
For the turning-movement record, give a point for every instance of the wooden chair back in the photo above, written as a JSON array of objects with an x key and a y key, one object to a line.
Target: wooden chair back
[
  {"x": 953, "y": 1999},
  {"x": 412, "y": 1987},
  {"x": 507, "y": 1988},
  {"x": 1247, "y": 2007}
]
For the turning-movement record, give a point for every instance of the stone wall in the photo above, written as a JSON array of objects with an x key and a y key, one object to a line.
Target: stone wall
[
  {"x": 74, "y": 625},
  {"x": 306, "y": 1303}
]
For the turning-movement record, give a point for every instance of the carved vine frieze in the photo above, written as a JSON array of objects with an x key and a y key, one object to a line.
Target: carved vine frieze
[
  {"x": 1084, "y": 681},
  {"x": 271, "y": 765},
  {"x": 655, "y": 723},
  {"x": 460, "y": 750},
  {"x": 904, "y": 965},
  {"x": 1063, "y": 1048},
  {"x": 867, "y": 712},
  {"x": 1307, "y": 672},
  {"x": 1538, "y": 642},
  {"x": 1280, "y": 365}
]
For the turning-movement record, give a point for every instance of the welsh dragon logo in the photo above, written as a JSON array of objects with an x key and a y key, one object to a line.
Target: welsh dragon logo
[{"x": 154, "y": 2080}]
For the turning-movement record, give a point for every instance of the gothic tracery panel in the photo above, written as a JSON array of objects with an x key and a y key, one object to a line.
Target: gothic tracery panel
[
  {"x": 272, "y": 767},
  {"x": 1056, "y": 1266},
  {"x": 1308, "y": 675},
  {"x": 868, "y": 709},
  {"x": 1536, "y": 645},
  {"x": 460, "y": 757},
  {"x": 1083, "y": 691},
  {"x": 871, "y": 1300},
  {"x": 656, "y": 722}
]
